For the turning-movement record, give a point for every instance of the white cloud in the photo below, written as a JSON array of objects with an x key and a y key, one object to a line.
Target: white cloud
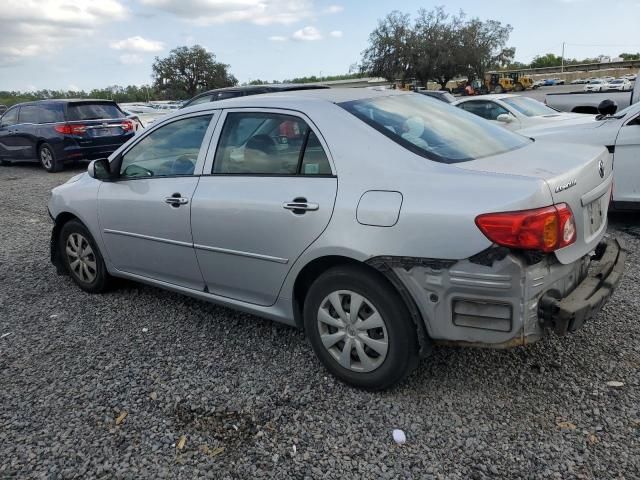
[
  {"x": 73, "y": 87},
  {"x": 138, "y": 44},
  {"x": 34, "y": 27},
  {"x": 336, "y": 34},
  {"x": 307, "y": 34},
  {"x": 261, "y": 12},
  {"x": 334, "y": 9},
  {"x": 131, "y": 59},
  {"x": 278, "y": 38}
]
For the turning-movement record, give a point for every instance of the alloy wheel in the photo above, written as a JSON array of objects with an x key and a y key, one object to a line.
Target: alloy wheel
[
  {"x": 82, "y": 259},
  {"x": 46, "y": 157},
  {"x": 353, "y": 331}
]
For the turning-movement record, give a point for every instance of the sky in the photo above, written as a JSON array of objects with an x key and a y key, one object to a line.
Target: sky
[{"x": 84, "y": 44}]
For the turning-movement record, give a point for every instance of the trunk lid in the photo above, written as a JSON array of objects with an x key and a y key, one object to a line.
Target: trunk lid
[{"x": 578, "y": 175}]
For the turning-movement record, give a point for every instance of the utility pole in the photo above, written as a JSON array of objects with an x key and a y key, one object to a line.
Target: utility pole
[{"x": 562, "y": 67}]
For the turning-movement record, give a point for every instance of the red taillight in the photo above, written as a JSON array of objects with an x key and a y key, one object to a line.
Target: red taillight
[
  {"x": 547, "y": 229},
  {"x": 70, "y": 128},
  {"x": 127, "y": 125}
]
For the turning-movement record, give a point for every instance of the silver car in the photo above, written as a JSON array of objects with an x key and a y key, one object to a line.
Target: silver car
[{"x": 379, "y": 222}]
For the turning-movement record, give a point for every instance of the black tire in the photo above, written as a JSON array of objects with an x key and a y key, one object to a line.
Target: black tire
[
  {"x": 402, "y": 352},
  {"x": 102, "y": 279},
  {"x": 498, "y": 89},
  {"x": 48, "y": 159},
  {"x": 519, "y": 87}
]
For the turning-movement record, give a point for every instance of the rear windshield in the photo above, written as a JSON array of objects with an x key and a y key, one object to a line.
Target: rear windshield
[
  {"x": 434, "y": 129},
  {"x": 93, "y": 111},
  {"x": 528, "y": 106}
]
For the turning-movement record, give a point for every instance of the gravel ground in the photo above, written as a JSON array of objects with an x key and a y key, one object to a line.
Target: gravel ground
[{"x": 248, "y": 399}]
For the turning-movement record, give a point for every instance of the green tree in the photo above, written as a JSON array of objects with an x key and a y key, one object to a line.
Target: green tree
[
  {"x": 630, "y": 56},
  {"x": 436, "y": 52},
  {"x": 483, "y": 47},
  {"x": 389, "y": 54},
  {"x": 189, "y": 70}
]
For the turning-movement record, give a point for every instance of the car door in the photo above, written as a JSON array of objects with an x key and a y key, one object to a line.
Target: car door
[
  {"x": 12, "y": 145},
  {"x": 29, "y": 119},
  {"x": 144, "y": 215},
  {"x": 268, "y": 195},
  {"x": 627, "y": 162}
]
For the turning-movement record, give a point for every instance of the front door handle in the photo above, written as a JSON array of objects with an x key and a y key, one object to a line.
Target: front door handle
[
  {"x": 176, "y": 200},
  {"x": 300, "y": 206}
]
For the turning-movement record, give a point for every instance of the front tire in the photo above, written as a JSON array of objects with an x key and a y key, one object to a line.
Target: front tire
[
  {"x": 48, "y": 159},
  {"x": 360, "y": 328},
  {"x": 82, "y": 259}
]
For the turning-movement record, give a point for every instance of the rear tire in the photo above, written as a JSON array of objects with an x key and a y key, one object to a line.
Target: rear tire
[
  {"x": 498, "y": 89},
  {"x": 82, "y": 259},
  {"x": 374, "y": 350},
  {"x": 48, "y": 159}
]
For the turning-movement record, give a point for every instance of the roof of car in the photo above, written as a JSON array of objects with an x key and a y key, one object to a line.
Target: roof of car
[
  {"x": 492, "y": 96},
  {"x": 274, "y": 87},
  {"x": 276, "y": 99},
  {"x": 65, "y": 100}
]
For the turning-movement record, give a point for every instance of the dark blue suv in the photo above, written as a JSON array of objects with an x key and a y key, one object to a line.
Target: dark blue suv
[{"x": 56, "y": 132}]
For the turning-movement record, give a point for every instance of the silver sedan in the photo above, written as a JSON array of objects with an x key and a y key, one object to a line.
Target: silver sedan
[{"x": 379, "y": 222}]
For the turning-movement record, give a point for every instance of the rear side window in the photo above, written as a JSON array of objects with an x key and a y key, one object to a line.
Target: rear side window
[
  {"x": 30, "y": 114},
  {"x": 93, "y": 111},
  {"x": 269, "y": 144},
  {"x": 9, "y": 118},
  {"x": 51, "y": 113}
]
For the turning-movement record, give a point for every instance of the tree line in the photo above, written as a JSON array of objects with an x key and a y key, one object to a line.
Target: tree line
[{"x": 435, "y": 46}]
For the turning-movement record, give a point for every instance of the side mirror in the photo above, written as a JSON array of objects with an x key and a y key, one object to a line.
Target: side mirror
[
  {"x": 100, "y": 169},
  {"x": 505, "y": 118},
  {"x": 607, "y": 107}
]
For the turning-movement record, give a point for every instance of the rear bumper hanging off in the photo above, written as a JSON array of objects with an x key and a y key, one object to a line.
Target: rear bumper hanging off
[{"x": 569, "y": 314}]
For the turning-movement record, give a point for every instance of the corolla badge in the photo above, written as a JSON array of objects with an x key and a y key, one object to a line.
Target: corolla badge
[
  {"x": 566, "y": 186},
  {"x": 601, "y": 168}
]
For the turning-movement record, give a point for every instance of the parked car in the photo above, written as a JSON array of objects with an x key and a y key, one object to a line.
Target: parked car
[
  {"x": 588, "y": 102},
  {"x": 621, "y": 84},
  {"x": 548, "y": 82},
  {"x": 579, "y": 81},
  {"x": 608, "y": 79},
  {"x": 442, "y": 95},
  {"x": 558, "y": 81},
  {"x": 630, "y": 76},
  {"x": 56, "y": 132},
  {"x": 597, "y": 85},
  {"x": 3, "y": 108},
  {"x": 514, "y": 112},
  {"x": 539, "y": 83},
  {"x": 620, "y": 133},
  {"x": 374, "y": 271},
  {"x": 243, "y": 91}
]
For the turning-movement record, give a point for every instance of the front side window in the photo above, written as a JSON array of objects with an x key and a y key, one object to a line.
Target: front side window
[
  {"x": 168, "y": 151},
  {"x": 484, "y": 109},
  {"x": 9, "y": 118},
  {"x": 434, "y": 130},
  {"x": 269, "y": 144},
  {"x": 529, "y": 107},
  {"x": 29, "y": 114},
  {"x": 198, "y": 101}
]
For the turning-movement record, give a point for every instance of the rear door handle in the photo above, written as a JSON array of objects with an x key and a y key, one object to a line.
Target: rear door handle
[{"x": 300, "y": 206}]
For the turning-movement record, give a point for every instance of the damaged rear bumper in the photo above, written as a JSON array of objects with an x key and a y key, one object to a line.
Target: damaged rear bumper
[
  {"x": 504, "y": 299},
  {"x": 569, "y": 314}
]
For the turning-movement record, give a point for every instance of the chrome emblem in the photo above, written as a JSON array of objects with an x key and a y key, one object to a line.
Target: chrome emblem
[
  {"x": 601, "y": 168},
  {"x": 566, "y": 186}
]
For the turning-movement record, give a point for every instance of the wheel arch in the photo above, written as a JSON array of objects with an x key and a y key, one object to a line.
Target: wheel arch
[
  {"x": 59, "y": 221},
  {"x": 316, "y": 267}
]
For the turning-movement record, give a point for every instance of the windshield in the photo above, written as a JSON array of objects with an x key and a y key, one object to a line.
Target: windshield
[
  {"x": 616, "y": 81},
  {"x": 595, "y": 82},
  {"x": 633, "y": 109},
  {"x": 434, "y": 129},
  {"x": 529, "y": 106}
]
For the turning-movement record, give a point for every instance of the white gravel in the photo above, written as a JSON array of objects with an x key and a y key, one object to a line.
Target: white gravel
[{"x": 246, "y": 398}]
